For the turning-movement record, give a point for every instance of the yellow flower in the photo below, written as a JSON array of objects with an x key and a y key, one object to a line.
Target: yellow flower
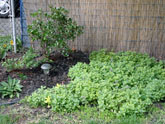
[
  {"x": 4, "y": 45},
  {"x": 47, "y": 100},
  {"x": 11, "y": 42},
  {"x": 58, "y": 85}
]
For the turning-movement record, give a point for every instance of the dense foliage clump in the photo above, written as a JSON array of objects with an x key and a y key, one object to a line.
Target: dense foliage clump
[
  {"x": 122, "y": 83},
  {"x": 10, "y": 88}
]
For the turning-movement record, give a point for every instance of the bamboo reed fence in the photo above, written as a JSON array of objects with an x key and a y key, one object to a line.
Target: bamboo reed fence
[{"x": 118, "y": 25}]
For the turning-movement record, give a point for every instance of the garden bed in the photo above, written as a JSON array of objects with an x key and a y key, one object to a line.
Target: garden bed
[
  {"x": 105, "y": 70},
  {"x": 32, "y": 79}
]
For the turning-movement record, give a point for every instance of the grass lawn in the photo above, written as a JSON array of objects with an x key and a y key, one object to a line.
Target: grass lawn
[{"x": 22, "y": 114}]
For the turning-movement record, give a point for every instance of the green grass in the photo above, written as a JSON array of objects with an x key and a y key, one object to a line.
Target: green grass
[
  {"x": 129, "y": 120},
  {"x": 5, "y": 39},
  {"x": 43, "y": 122},
  {"x": 17, "y": 114},
  {"x": 93, "y": 122},
  {"x": 7, "y": 119},
  {"x": 2, "y": 38}
]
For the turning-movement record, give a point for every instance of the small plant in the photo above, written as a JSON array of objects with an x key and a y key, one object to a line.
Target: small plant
[
  {"x": 19, "y": 44},
  {"x": 6, "y": 44},
  {"x": 4, "y": 47},
  {"x": 28, "y": 60},
  {"x": 10, "y": 88},
  {"x": 10, "y": 64},
  {"x": 8, "y": 119},
  {"x": 54, "y": 30},
  {"x": 2, "y": 53},
  {"x": 22, "y": 76}
]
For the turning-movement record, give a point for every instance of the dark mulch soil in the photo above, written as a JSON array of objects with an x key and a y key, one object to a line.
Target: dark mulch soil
[{"x": 35, "y": 77}]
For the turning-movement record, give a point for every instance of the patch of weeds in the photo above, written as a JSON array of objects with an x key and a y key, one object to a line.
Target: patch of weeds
[
  {"x": 7, "y": 43},
  {"x": 22, "y": 76},
  {"x": 93, "y": 122},
  {"x": 43, "y": 122},
  {"x": 2, "y": 108},
  {"x": 92, "y": 114},
  {"x": 7, "y": 119},
  {"x": 156, "y": 114},
  {"x": 28, "y": 60},
  {"x": 39, "y": 115},
  {"x": 129, "y": 120}
]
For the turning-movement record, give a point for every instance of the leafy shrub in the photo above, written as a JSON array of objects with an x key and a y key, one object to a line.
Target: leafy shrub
[
  {"x": 53, "y": 29},
  {"x": 123, "y": 83},
  {"x": 28, "y": 60},
  {"x": 10, "y": 88}
]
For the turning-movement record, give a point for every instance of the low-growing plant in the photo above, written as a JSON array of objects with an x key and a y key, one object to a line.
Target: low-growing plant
[
  {"x": 53, "y": 30},
  {"x": 133, "y": 119},
  {"x": 91, "y": 121},
  {"x": 10, "y": 88},
  {"x": 2, "y": 53},
  {"x": 6, "y": 44},
  {"x": 10, "y": 64},
  {"x": 19, "y": 43},
  {"x": 28, "y": 60},
  {"x": 124, "y": 83},
  {"x": 22, "y": 76},
  {"x": 8, "y": 119}
]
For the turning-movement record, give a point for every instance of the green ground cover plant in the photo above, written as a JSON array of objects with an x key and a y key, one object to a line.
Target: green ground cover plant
[
  {"x": 7, "y": 42},
  {"x": 124, "y": 83},
  {"x": 87, "y": 115},
  {"x": 7, "y": 119},
  {"x": 28, "y": 60},
  {"x": 10, "y": 88},
  {"x": 4, "y": 46}
]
